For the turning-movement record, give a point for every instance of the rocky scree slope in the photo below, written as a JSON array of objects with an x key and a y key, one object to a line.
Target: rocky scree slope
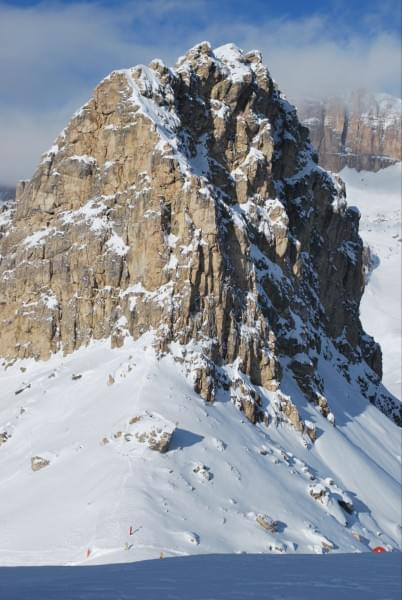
[
  {"x": 187, "y": 201},
  {"x": 361, "y": 131}
]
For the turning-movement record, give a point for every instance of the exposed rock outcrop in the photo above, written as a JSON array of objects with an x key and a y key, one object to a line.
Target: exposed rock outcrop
[
  {"x": 4, "y": 437},
  {"x": 362, "y": 131},
  {"x": 187, "y": 201},
  {"x": 267, "y": 523},
  {"x": 38, "y": 463},
  {"x": 147, "y": 429}
]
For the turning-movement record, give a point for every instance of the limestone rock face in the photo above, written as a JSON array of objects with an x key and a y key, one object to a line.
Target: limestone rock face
[
  {"x": 188, "y": 201},
  {"x": 267, "y": 523},
  {"x": 38, "y": 463},
  {"x": 362, "y": 131},
  {"x": 4, "y": 437}
]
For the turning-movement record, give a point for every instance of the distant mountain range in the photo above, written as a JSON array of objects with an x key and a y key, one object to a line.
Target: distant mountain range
[
  {"x": 361, "y": 131},
  {"x": 6, "y": 193}
]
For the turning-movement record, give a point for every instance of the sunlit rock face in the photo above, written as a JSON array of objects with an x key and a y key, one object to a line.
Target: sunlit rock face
[{"x": 188, "y": 201}]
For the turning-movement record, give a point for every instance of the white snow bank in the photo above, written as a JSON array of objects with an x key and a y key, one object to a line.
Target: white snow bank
[{"x": 378, "y": 197}]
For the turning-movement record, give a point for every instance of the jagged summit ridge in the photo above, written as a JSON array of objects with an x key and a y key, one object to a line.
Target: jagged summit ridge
[{"x": 187, "y": 201}]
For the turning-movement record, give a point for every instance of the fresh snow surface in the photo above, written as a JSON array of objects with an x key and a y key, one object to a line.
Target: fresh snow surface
[
  {"x": 107, "y": 497},
  {"x": 216, "y": 577},
  {"x": 378, "y": 196},
  {"x": 231, "y": 56},
  {"x": 116, "y": 244}
]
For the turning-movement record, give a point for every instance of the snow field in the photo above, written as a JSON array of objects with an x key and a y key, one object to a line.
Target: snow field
[{"x": 107, "y": 497}]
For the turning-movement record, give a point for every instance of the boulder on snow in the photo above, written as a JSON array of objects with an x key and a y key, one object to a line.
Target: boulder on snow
[
  {"x": 318, "y": 492},
  {"x": 310, "y": 430},
  {"x": 38, "y": 463},
  {"x": 4, "y": 436},
  {"x": 267, "y": 523},
  {"x": 203, "y": 472},
  {"x": 326, "y": 545},
  {"x": 156, "y": 439},
  {"x": 150, "y": 429}
]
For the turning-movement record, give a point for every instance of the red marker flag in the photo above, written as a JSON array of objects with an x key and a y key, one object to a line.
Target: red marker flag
[{"x": 378, "y": 550}]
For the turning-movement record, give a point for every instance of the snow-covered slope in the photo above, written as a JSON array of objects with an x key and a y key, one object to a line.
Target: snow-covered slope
[
  {"x": 378, "y": 196},
  {"x": 82, "y": 412}
]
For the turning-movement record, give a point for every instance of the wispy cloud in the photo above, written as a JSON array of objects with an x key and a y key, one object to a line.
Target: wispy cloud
[
  {"x": 306, "y": 60},
  {"x": 53, "y": 54}
]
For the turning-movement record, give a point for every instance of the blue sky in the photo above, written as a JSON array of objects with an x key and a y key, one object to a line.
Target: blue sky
[
  {"x": 53, "y": 53},
  {"x": 360, "y": 15},
  {"x": 255, "y": 10}
]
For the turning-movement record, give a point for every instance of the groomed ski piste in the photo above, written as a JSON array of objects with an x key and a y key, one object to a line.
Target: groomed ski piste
[{"x": 216, "y": 577}]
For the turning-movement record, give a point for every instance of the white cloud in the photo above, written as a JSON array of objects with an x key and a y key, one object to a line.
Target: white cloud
[
  {"x": 306, "y": 59},
  {"x": 25, "y": 135},
  {"x": 52, "y": 55}
]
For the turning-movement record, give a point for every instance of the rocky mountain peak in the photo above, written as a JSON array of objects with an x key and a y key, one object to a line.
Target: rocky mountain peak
[{"x": 188, "y": 202}]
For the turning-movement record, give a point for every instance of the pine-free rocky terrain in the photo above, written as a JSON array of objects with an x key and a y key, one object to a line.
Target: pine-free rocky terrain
[
  {"x": 184, "y": 367},
  {"x": 359, "y": 130}
]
